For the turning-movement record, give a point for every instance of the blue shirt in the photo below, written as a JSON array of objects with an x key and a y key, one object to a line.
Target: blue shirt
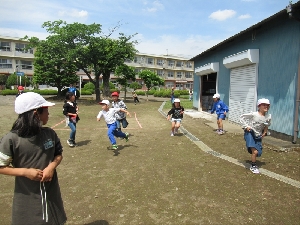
[
  {"x": 72, "y": 89},
  {"x": 220, "y": 107}
]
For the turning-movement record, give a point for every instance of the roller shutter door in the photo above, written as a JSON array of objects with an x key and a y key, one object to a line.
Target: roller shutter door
[{"x": 242, "y": 94}]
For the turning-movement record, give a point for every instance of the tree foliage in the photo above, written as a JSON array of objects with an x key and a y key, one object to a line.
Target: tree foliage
[
  {"x": 125, "y": 74},
  {"x": 135, "y": 85},
  {"x": 13, "y": 80},
  {"x": 150, "y": 79},
  {"x": 89, "y": 50}
]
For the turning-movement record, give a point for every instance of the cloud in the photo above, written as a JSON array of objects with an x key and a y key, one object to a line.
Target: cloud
[
  {"x": 221, "y": 15},
  {"x": 156, "y": 5},
  {"x": 73, "y": 13},
  {"x": 22, "y": 33},
  {"x": 245, "y": 16},
  {"x": 188, "y": 46}
]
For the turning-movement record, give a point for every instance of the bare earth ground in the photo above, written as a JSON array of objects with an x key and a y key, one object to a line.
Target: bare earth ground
[{"x": 158, "y": 179}]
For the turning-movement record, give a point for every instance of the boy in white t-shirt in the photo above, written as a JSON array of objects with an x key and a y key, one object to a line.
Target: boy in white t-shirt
[
  {"x": 109, "y": 115},
  {"x": 255, "y": 125}
]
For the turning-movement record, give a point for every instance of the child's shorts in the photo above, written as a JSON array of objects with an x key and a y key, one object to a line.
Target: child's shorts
[
  {"x": 253, "y": 142},
  {"x": 176, "y": 120},
  {"x": 221, "y": 116}
]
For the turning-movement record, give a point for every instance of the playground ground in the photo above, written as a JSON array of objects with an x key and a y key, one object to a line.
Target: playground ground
[{"x": 195, "y": 177}]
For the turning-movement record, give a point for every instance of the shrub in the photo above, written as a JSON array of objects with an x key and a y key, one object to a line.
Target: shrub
[{"x": 86, "y": 92}]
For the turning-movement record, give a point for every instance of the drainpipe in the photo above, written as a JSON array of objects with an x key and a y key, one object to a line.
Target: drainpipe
[{"x": 296, "y": 120}]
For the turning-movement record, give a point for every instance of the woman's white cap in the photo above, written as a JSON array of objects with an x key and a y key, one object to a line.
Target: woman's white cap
[
  {"x": 29, "y": 101},
  {"x": 263, "y": 100}
]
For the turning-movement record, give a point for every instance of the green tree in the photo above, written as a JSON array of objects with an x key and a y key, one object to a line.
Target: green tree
[
  {"x": 150, "y": 79},
  {"x": 124, "y": 74},
  {"x": 13, "y": 80},
  {"x": 135, "y": 85},
  {"x": 50, "y": 65},
  {"x": 3, "y": 79},
  {"x": 91, "y": 51}
]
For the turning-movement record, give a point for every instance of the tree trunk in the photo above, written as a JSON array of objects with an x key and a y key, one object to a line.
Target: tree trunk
[
  {"x": 97, "y": 87},
  {"x": 106, "y": 89}
]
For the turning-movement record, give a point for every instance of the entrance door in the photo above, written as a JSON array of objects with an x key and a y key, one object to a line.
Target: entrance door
[{"x": 243, "y": 91}]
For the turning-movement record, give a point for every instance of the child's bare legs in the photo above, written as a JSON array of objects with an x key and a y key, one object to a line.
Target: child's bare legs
[
  {"x": 177, "y": 125},
  {"x": 253, "y": 156},
  {"x": 220, "y": 124},
  {"x": 173, "y": 127}
]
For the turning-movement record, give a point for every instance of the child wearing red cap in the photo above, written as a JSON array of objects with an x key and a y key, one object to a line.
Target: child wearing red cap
[
  {"x": 255, "y": 125},
  {"x": 120, "y": 116},
  {"x": 20, "y": 91}
]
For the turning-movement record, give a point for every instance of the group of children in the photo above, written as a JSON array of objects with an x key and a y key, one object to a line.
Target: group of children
[
  {"x": 255, "y": 124},
  {"x": 31, "y": 152}
]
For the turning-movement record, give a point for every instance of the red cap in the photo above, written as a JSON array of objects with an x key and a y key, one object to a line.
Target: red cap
[
  {"x": 20, "y": 88},
  {"x": 115, "y": 94}
]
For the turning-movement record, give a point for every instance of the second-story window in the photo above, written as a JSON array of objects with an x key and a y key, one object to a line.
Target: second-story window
[
  {"x": 150, "y": 61},
  {"x": 160, "y": 62},
  {"x": 179, "y": 63},
  {"x": 171, "y": 62},
  {"x": 5, "y": 63},
  {"x": 189, "y": 65},
  {"x": 179, "y": 74},
  {"x": 5, "y": 46},
  {"x": 20, "y": 47}
]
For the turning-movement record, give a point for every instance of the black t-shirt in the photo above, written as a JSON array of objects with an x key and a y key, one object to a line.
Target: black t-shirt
[{"x": 176, "y": 112}]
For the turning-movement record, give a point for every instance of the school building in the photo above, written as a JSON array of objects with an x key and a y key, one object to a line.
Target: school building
[
  {"x": 262, "y": 61},
  {"x": 176, "y": 71}
]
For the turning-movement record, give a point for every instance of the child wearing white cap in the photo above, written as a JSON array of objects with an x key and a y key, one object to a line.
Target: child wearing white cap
[
  {"x": 109, "y": 115},
  {"x": 221, "y": 109},
  {"x": 32, "y": 153},
  {"x": 255, "y": 125},
  {"x": 177, "y": 115}
]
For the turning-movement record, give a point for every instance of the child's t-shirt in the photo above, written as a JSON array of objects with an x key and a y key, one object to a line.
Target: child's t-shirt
[
  {"x": 109, "y": 116},
  {"x": 176, "y": 112},
  {"x": 256, "y": 122}
]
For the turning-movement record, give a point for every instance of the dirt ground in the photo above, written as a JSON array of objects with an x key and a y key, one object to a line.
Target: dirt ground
[{"x": 158, "y": 179}]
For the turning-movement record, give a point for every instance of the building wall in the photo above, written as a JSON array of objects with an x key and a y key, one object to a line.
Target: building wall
[{"x": 279, "y": 48}]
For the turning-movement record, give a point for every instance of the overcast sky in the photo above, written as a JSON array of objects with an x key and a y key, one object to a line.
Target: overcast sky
[{"x": 174, "y": 27}]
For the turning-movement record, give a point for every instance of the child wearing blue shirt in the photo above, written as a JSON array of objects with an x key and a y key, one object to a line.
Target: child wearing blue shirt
[{"x": 221, "y": 109}]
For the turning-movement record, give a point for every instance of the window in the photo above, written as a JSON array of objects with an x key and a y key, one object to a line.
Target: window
[
  {"x": 160, "y": 62},
  {"x": 20, "y": 47},
  {"x": 189, "y": 65},
  {"x": 169, "y": 84},
  {"x": 179, "y": 74},
  {"x": 170, "y": 74},
  {"x": 160, "y": 73},
  {"x": 179, "y": 63},
  {"x": 171, "y": 62},
  {"x": 24, "y": 65},
  {"x": 189, "y": 85},
  {"x": 150, "y": 61},
  {"x": 189, "y": 74},
  {"x": 5, "y": 63},
  {"x": 128, "y": 60},
  {"x": 135, "y": 59},
  {"x": 5, "y": 46}
]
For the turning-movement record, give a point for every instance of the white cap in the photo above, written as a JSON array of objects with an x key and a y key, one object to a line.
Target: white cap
[
  {"x": 29, "y": 101},
  {"x": 216, "y": 96},
  {"x": 263, "y": 100},
  {"x": 106, "y": 102},
  {"x": 176, "y": 100}
]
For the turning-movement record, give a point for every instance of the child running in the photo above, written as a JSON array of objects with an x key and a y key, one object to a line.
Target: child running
[
  {"x": 135, "y": 97},
  {"x": 31, "y": 153},
  {"x": 177, "y": 115},
  {"x": 70, "y": 110},
  {"x": 221, "y": 109},
  {"x": 120, "y": 116},
  {"x": 255, "y": 125},
  {"x": 109, "y": 115}
]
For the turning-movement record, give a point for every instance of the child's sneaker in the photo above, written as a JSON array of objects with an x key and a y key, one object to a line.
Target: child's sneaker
[
  {"x": 114, "y": 147},
  {"x": 254, "y": 169},
  {"x": 176, "y": 130},
  {"x": 221, "y": 132},
  {"x": 70, "y": 143},
  {"x": 172, "y": 134},
  {"x": 126, "y": 137}
]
